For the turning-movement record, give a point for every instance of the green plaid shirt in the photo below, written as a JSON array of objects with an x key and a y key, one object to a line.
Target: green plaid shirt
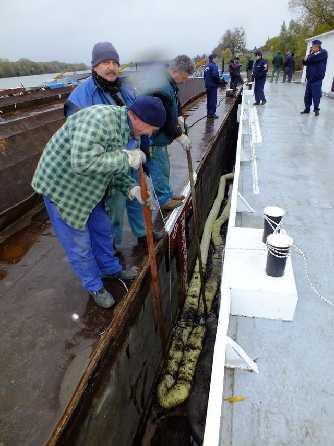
[{"x": 84, "y": 161}]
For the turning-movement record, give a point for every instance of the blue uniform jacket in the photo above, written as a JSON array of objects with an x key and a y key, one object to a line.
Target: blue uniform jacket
[
  {"x": 211, "y": 75},
  {"x": 289, "y": 62},
  {"x": 259, "y": 70},
  {"x": 316, "y": 66}
]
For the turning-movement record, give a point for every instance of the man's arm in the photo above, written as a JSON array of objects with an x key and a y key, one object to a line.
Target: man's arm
[{"x": 318, "y": 57}]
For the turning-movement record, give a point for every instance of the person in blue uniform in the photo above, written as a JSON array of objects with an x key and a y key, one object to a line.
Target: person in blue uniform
[
  {"x": 212, "y": 81},
  {"x": 288, "y": 66},
  {"x": 315, "y": 62},
  {"x": 260, "y": 70}
]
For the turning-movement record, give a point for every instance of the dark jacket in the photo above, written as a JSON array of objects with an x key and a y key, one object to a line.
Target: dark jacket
[
  {"x": 234, "y": 69},
  {"x": 161, "y": 85},
  {"x": 211, "y": 76},
  {"x": 316, "y": 65},
  {"x": 289, "y": 62},
  {"x": 259, "y": 70},
  {"x": 278, "y": 60}
]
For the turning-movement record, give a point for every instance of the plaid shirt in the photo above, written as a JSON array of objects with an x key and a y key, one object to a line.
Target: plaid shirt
[{"x": 84, "y": 161}]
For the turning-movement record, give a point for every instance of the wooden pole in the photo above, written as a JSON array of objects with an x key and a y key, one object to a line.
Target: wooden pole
[{"x": 153, "y": 261}]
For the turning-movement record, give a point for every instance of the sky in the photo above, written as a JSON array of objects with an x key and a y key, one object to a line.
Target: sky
[{"x": 66, "y": 30}]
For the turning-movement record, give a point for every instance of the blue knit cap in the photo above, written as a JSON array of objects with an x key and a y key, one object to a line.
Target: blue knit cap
[
  {"x": 150, "y": 110},
  {"x": 316, "y": 42},
  {"x": 104, "y": 51}
]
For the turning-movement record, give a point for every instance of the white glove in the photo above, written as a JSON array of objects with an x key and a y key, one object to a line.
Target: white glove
[
  {"x": 135, "y": 193},
  {"x": 181, "y": 122},
  {"x": 136, "y": 158},
  {"x": 184, "y": 141}
]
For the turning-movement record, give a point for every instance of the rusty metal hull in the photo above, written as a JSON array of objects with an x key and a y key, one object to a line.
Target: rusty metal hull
[{"x": 23, "y": 137}]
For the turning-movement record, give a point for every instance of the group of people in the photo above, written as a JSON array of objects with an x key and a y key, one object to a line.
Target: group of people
[
  {"x": 287, "y": 64},
  {"x": 88, "y": 171},
  {"x": 315, "y": 62}
]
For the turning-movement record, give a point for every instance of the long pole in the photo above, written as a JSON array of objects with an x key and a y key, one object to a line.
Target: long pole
[
  {"x": 197, "y": 238},
  {"x": 153, "y": 261}
]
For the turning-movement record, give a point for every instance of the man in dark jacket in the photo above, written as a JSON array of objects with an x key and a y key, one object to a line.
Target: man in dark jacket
[
  {"x": 277, "y": 65},
  {"x": 234, "y": 69},
  {"x": 163, "y": 83},
  {"x": 212, "y": 81},
  {"x": 315, "y": 63},
  {"x": 260, "y": 70},
  {"x": 289, "y": 64}
]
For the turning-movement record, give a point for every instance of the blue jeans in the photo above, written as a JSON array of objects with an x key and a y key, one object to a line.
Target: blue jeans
[
  {"x": 259, "y": 89},
  {"x": 211, "y": 100},
  {"x": 312, "y": 93},
  {"x": 159, "y": 167},
  {"x": 90, "y": 251}
]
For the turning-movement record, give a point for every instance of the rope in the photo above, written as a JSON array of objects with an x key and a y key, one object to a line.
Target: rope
[{"x": 203, "y": 117}]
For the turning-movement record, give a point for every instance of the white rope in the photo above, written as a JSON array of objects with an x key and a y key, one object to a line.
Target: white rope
[
  {"x": 308, "y": 277},
  {"x": 276, "y": 227}
]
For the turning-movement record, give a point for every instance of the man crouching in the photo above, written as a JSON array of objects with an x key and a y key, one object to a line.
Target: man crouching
[{"x": 81, "y": 164}]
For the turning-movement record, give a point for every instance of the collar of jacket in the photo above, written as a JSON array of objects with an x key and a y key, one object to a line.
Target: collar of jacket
[{"x": 172, "y": 82}]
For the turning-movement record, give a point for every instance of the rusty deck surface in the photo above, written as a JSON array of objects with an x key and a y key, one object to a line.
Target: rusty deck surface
[{"x": 50, "y": 327}]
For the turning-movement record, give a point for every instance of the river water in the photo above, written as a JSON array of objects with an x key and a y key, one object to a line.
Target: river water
[{"x": 28, "y": 81}]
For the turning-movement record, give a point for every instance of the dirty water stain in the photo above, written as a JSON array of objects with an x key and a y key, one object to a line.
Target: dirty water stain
[{"x": 16, "y": 246}]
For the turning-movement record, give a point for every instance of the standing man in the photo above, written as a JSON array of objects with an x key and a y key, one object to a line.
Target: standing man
[
  {"x": 212, "y": 81},
  {"x": 315, "y": 63},
  {"x": 79, "y": 168},
  {"x": 105, "y": 87},
  {"x": 288, "y": 67},
  {"x": 164, "y": 85},
  {"x": 260, "y": 71},
  {"x": 234, "y": 69},
  {"x": 277, "y": 65}
]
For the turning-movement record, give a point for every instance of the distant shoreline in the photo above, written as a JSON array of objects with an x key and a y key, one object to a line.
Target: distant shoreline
[{"x": 26, "y": 67}]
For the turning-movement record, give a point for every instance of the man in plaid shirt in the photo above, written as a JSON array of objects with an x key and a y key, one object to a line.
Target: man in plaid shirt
[{"x": 80, "y": 166}]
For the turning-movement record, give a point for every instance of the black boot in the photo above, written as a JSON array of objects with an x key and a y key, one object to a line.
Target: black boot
[
  {"x": 305, "y": 112},
  {"x": 316, "y": 112}
]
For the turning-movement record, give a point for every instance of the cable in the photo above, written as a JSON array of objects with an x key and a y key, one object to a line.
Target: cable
[{"x": 203, "y": 117}]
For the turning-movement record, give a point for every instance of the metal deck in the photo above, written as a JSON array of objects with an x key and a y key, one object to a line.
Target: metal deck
[{"x": 291, "y": 401}]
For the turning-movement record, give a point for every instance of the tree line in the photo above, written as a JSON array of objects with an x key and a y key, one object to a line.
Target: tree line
[
  {"x": 26, "y": 67},
  {"x": 313, "y": 17}
]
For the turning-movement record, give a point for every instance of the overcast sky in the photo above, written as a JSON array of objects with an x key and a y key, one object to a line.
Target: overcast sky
[{"x": 66, "y": 30}]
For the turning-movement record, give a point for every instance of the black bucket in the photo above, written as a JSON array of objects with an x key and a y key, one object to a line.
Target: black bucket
[
  {"x": 278, "y": 245},
  {"x": 275, "y": 215}
]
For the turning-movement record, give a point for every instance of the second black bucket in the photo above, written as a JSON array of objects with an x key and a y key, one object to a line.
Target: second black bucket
[
  {"x": 279, "y": 245},
  {"x": 272, "y": 218}
]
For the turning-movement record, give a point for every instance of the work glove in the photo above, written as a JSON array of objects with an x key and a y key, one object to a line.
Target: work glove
[
  {"x": 182, "y": 123},
  {"x": 136, "y": 158},
  {"x": 184, "y": 141},
  {"x": 135, "y": 193}
]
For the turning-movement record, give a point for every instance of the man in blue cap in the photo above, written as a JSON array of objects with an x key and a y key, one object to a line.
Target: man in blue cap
[
  {"x": 80, "y": 167},
  {"x": 315, "y": 62},
  {"x": 212, "y": 81},
  {"x": 105, "y": 87},
  {"x": 260, "y": 70}
]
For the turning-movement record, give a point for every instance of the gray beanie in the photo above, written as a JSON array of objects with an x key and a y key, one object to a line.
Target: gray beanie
[{"x": 104, "y": 51}]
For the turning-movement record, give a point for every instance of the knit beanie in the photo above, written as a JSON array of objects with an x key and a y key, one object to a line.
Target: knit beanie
[
  {"x": 104, "y": 51},
  {"x": 150, "y": 110}
]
